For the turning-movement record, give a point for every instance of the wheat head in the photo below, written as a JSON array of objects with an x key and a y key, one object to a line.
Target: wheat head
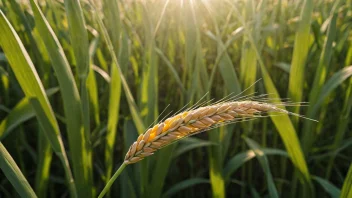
[{"x": 195, "y": 121}]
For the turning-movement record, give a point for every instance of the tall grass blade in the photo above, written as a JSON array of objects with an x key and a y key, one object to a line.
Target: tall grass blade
[
  {"x": 14, "y": 174},
  {"x": 300, "y": 52},
  {"x": 43, "y": 168},
  {"x": 112, "y": 20},
  {"x": 282, "y": 123},
  {"x": 78, "y": 36},
  {"x": 149, "y": 84},
  {"x": 31, "y": 85},
  {"x": 338, "y": 78},
  {"x": 342, "y": 126},
  {"x": 72, "y": 105},
  {"x": 346, "y": 191},
  {"x": 113, "y": 117},
  {"x": 80, "y": 45},
  {"x": 217, "y": 180},
  {"x": 131, "y": 102},
  {"x": 92, "y": 84},
  {"x": 318, "y": 83}
]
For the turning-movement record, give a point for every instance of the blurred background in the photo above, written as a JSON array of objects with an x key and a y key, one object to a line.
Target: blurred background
[{"x": 142, "y": 59}]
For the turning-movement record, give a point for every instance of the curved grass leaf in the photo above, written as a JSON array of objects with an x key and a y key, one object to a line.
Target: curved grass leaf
[
  {"x": 14, "y": 174},
  {"x": 335, "y": 80},
  {"x": 265, "y": 165},
  {"x": 238, "y": 160},
  {"x": 22, "y": 112},
  {"x": 171, "y": 68},
  {"x": 189, "y": 143},
  {"x": 254, "y": 192},
  {"x": 184, "y": 185},
  {"x": 333, "y": 191}
]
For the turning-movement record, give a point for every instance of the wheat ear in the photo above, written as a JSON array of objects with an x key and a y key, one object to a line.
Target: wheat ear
[{"x": 194, "y": 121}]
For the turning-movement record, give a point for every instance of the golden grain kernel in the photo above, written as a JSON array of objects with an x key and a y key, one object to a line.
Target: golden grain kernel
[
  {"x": 145, "y": 154},
  {"x": 252, "y": 111},
  {"x": 188, "y": 117},
  {"x": 155, "y": 145},
  {"x": 226, "y": 116},
  {"x": 204, "y": 112},
  {"x": 151, "y": 137},
  {"x": 140, "y": 145},
  {"x": 133, "y": 149},
  {"x": 146, "y": 135},
  {"x": 184, "y": 129},
  {"x": 168, "y": 139},
  {"x": 140, "y": 137},
  {"x": 207, "y": 121},
  {"x": 160, "y": 129},
  {"x": 223, "y": 108},
  {"x": 134, "y": 160},
  {"x": 240, "y": 111},
  {"x": 216, "y": 118},
  {"x": 173, "y": 123},
  {"x": 138, "y": 152},
  {"x": 176, "y": 133},
  {"x": 196, "y": 114},
  {"x": 211, "y": 111},
  {"x": 232, "y": 113},
  {"x": 155, "y": 128},
  {"x": 198, "y": 125},
  {"x": 178, "y": 123},
  {"x": 148, "y": 150}
]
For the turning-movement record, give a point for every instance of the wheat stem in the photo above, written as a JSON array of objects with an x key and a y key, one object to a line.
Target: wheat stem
[{"x": 111, "y": 181}]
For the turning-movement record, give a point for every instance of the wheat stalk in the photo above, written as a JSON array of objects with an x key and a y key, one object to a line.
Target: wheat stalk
[{"x": 195, "y": 121}]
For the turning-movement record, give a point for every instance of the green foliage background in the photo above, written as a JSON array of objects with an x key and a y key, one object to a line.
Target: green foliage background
[{"x": 79, "y": 80}]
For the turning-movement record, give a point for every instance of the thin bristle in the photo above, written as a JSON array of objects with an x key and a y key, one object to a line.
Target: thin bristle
[{"x": 198, "y": 118}]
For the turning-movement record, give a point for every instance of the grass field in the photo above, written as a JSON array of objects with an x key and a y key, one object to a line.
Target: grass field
[{"x": 81, "y": 80}]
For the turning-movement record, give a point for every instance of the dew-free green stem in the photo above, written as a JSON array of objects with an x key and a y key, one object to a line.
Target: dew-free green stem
[{"x": 111, "y": 181}]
